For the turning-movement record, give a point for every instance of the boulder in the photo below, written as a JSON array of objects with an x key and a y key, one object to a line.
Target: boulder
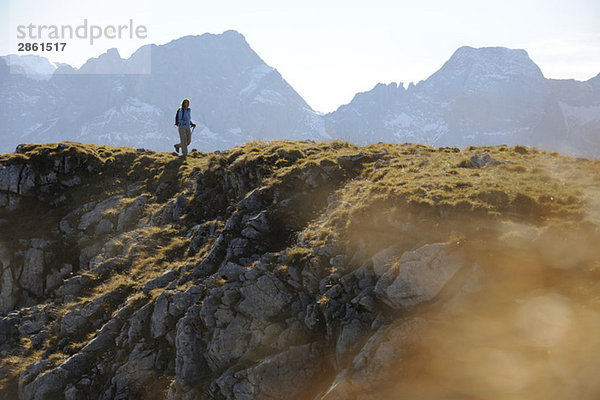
[
  {"x": 56, "y": 277},
  {"x": 264, "y": 298},
  {"x": 228, "y": 344},
  {"x": 481, "y": 160},
  {"x": 384, "y": 259},
  {"x": 288, "y": 374},
  {"x": 131, "y": 213},
  {"x": 8, "y": 330},
  {"x": 374, "y": 364},
  {"x": 349, "y": 338},
  {"x": 73, "y": 285},
  {"x": 7, "y": 291},
  {"x": 32, "y": 274},
  {"x": 418, "y": 277},
  {"x": 9, "y": 184},
  {"x": 159, "y": 322},
  {"x": 190, "y": 363},
  {"x": 161, "y": 281},
  {"x": 73, "y": 322},
  {"x": 18, "y": 179},
  {"x": 97, "y": 213},
  {"x": 139, "y": 369}
]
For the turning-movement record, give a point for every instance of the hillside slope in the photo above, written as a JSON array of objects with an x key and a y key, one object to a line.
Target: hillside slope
[{"x": 298, "y": 270}]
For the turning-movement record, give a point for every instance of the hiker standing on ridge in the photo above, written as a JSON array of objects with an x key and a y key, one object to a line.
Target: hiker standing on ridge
[{"x": 183, "y": 120}]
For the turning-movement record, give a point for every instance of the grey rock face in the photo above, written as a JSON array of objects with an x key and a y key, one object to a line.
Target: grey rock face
[
  {"x": 95, "y": 215},
  {"x": 418, "y": 276},
  {"x": 349, "y": 338},
  {"x": 384, "y": 259},
  {"x": 238, "y": 322},
  {"x": 33, "y": 268},
  {"x": 72, "y": 286},
  {"x": 373, "y": 364},
  {"x": 264, "y": 298},
  {"x": 104, "y": 226},
  {"x": 161, "y": 281},
  {"x": 7, "y": 291},
  {"x": 296, "y": 366},
  {"x": 72, "y": 323},
  {"x": 228, "y": 344},
  {"x": 170, "y": 307},
  {"x": 8, "y": 330},
  {"x": 9, "y": 178},
  {"x": 51, "y": 384},
  {"x": 190, "y": 365},
  {"x": 256, "y": 300},
  {"x": 15, "y": 181},
  {"x": 7, "y": 281},
  {"x": 481, "y": 160},
  {"x": 56, "y": 277},
  {"x": 139, "y": 370},
  {"x": 138, "y": 323},
  {"x": 159, "y": 316},
  {"x": 131, "y": 212}
]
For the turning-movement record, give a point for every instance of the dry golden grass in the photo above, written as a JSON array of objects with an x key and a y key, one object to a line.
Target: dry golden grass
[{"x": 424, "y": 192}]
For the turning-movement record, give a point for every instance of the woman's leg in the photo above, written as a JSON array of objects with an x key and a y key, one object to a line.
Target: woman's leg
[
  {"x": 185, "y": 134},
  {"x": 182, "y": 141}
]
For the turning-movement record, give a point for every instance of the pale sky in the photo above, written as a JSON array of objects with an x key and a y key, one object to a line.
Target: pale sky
[{"x": 328, "y": 50}]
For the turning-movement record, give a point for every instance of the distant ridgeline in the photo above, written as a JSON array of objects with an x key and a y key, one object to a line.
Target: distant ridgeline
[{"x": 486, "y": 96}]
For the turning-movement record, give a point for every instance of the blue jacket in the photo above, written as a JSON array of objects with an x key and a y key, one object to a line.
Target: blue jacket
[{"x": 185, "y": 120}]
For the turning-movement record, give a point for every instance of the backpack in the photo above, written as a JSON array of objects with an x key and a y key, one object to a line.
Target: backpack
[{"x": 177, "y": 116}]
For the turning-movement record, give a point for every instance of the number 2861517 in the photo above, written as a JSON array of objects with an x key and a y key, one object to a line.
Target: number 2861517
[{"x": 42, "y": 46}]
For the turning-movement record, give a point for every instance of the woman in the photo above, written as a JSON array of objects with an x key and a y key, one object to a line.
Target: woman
[{"x": 185, "y": 125}]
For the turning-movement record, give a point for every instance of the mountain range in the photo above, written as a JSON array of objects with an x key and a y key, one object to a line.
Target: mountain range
[{"x": 484, "y": 96}]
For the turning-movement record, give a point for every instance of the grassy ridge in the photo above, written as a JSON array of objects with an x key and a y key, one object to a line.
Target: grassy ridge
[{"x": 425, "y": 193}]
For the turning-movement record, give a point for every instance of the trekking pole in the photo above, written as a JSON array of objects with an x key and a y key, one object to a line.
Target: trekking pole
[{"x": 193, "y": 127}]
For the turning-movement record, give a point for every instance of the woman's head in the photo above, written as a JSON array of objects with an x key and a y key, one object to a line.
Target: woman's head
[{"x": 185, "y": 103}]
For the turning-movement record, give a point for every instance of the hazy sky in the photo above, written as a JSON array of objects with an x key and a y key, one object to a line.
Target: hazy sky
[{"x": 330, "y": 49}]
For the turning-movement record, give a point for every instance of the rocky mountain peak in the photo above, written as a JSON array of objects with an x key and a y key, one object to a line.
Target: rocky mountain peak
[
  {"x": 31, "y": 65},
  {"x": 109, "y": 62},
  {"x": 490, "y": 95},
  {"x": 236, "y": 97},
  {"x": 494, "y": 61},
  {"x": 482, "y": 68}
]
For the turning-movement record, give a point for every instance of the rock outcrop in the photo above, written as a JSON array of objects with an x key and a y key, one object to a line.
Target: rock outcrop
[{"x": 294, "y": 270}]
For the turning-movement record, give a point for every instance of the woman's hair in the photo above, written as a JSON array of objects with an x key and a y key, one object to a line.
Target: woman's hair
[{"x": 183, "y": 101}]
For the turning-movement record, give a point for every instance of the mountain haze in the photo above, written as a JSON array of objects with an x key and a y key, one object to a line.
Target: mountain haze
[
  {"x": 235, "y": 96},
  {"x": 484, "y": 96}
]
